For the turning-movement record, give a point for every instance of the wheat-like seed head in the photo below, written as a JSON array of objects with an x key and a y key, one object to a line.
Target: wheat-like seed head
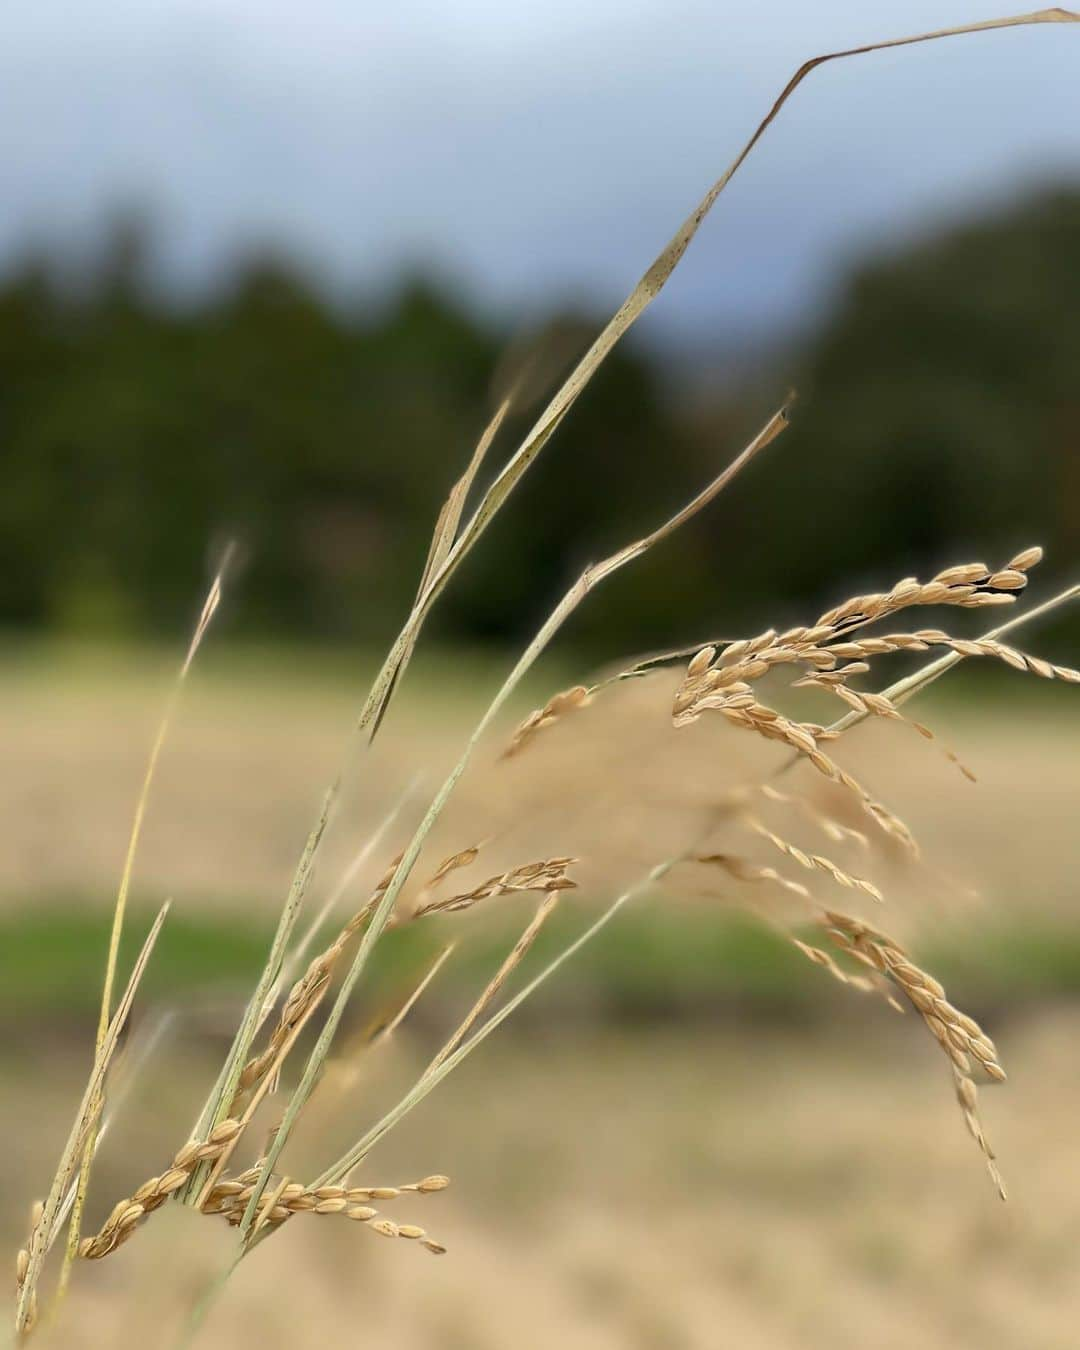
[
  {"x": 812, "y": 861},
  {"x": 127, "y": 1214},
  {"x": 714, "y": 677},
  {"x": 742, "y": 869},
  {"x": 960, "y": 1037},
  {"x": 310, "y": 988},
  {"x": 544, "y": 876},
  {"x": 229, "y": 1198},
  {"x": 722, "y": 680},
  {"x": 568, "y": 700},
  {"x": 828, "y": 963}
]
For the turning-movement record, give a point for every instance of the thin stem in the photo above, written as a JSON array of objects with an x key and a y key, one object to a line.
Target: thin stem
[{"x": 589, "y": 579}]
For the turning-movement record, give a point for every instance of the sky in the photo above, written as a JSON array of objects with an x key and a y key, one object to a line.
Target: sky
[{"x": 534, "y": 153}]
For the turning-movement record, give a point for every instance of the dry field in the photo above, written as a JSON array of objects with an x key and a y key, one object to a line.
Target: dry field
[
  {"x": 258, "y": 739},
  {"x": 725, "y": 1186},
  {"x": 731, "y": 1181}
]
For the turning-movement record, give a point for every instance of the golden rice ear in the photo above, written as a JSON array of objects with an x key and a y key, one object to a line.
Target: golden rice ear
[
  {"x": 210, "y": 607},
  {"x": 569, "y": 700},
  {"x": 813, "y": 861},
  {"x": 701, "y": 662},
  {"x": 229, "y": 1199},
  {"x": 592, "y": 577},
  {"x": 46, "y": 1220},
  {"x": 267, "y": 1200},
  {"x": 833, "y": 653},
  {"x": 1025, "y": 561},
  {"x": 963, "y": 1041}
]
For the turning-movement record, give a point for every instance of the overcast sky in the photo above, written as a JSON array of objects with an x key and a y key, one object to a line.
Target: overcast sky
[{"x": 537, "y": 150}]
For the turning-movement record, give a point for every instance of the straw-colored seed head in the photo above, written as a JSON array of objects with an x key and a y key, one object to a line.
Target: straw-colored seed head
[
  {"x": 959, "y": 1035},
  {"x": 225, "y": 1132},
  {"x": 429, "y": 1185},
  {"x": 568, "y": 700},
  {"x": 1010, "y": 579},
  {"x": 967, "y": 1092},
  {"x": 1029, "y": 558}
]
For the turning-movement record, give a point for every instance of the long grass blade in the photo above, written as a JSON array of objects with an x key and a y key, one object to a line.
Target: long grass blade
[
  {"x": 85, "y": 1119},
  {"x": 453, "y": 1055},
  {"x": 442, "y": 540},
  {"x": 440, "y": 1069},
  {"x": 643, "y": 294},
  {"x": 494, "y": 986},
  {"x": 209, "y": 609},
  {"x": 590, "y": 578},
  {"x": 224, "y": 1089}
]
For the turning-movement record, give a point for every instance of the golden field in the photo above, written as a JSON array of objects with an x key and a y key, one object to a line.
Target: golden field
[{"x": 696, "y": 1176}]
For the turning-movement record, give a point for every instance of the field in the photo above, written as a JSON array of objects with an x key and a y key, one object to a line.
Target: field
[{"x": 696, "y": 1139}]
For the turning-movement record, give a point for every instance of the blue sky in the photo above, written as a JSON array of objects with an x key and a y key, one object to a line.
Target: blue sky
[{"x": 536, "y": 152}]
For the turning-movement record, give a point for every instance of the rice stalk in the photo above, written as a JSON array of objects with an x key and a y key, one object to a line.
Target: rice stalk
[
  {"x": 640, "y": 297},
  {"x": 495, "y": 985},
  {"x": 46, "y": 1226},
  {"x": 643, "y": 294},
  {"x": 722, "y": 680},
  {"x": 812, "y": 861},
  {"x": 731, "y": 694},
  {"x": 587, "y": 582},
  {"x": 961, "y": 1038},
  {"x": 202, "y": 624},
  {"x": 921, "y": 679}
]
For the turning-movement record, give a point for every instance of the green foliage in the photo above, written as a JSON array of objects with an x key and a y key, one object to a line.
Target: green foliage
[
  {"x": 653, "y": 961},
  {"x": 938, "y": 413},
  {"x": 136, "y": 434},
  {"x": 940, "y": 407}
]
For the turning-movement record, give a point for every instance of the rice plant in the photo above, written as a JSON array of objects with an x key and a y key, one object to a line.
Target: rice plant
[{"x": 226, "y": 1172}]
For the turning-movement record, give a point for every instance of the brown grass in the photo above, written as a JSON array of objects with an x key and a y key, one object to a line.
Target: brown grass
[
  {"x": 960, "y": 1037},
  {"x": 257, "y": 1199}
]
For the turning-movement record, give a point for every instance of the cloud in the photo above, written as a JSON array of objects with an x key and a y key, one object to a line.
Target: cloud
[{"x": 535, "y": 150}]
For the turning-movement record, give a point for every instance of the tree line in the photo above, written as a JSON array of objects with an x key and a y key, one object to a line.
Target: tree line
[{"x": 937, "y": 416}]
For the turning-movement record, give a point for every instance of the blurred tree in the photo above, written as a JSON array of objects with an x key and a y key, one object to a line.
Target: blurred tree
[
  {"x": 938, "y": 413},
  {"x": 940, "y": 409},
  {"x": 135, "y": 433}
]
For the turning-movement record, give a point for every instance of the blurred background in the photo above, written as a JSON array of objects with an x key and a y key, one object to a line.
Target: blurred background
[{"x": 264, "y": 275}]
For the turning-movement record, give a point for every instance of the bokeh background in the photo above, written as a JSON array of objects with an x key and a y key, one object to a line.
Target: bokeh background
[{"x": 264, "y": 274}]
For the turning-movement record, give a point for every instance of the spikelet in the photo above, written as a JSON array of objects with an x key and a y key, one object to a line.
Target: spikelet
[
  {"x": 557, "y": 707},
  {"x": 721, "y": 680},
  {"x": 812, "y": 861},
  {"x": 833, "y": 829},
  {"x": 864, "y": 983},
  {"x": 742, "y": 869},
  {"x": 127, "y": 1214},
  {"x": 229, "y": 1198},
  {"x": 545, "y": 876},
  {"x": 961, "y": 1038}
]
